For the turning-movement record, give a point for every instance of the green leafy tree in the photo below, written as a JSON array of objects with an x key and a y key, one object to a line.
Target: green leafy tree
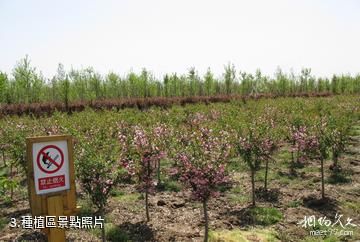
[
  {"x": 229, "y": 77},
  {"x": 98, "y": 168},
  {"x": 304, "y": 79},
  {"x": 25, "y": 77},
  {"x": 113, "y": 85},
  {"x": 209, "y": 82},
  {"x": 4, "y": 88},
  {"x": 282, "y": 82}
]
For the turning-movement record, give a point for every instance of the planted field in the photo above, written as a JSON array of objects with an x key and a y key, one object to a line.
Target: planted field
[{"x": 236, "y": 171}]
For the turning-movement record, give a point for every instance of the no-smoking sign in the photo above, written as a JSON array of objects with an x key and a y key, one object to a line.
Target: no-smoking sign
[
  {"x": 51, "y": 166},
  {"x": 50, "y": 159}
]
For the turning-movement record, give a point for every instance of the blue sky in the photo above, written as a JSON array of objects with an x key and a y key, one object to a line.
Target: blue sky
[{"x": 168, "y": 36}]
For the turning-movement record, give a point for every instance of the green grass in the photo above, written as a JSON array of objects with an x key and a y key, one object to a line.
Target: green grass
[
  {"x": 283, "y": 179},
  {"x": 236, "y": 190},
  {"x": 265, "y": 216},
  {"x": 238, "y": 198},
  {"x": 172, "y": 186},
  {"x": 4, "y": 171},
  {"x": 338, "y": 178},
  {"x": 294, "y": 204},
  {"x": 112, "y": 233},
  {"x": 116, "y": 193},
  {"x": 355, "y": 130},
  {"x": 128, "y": 198},
  {"x": 316, "y": 239},
  {"x": 311, "y": 169},
  {"x": 86, "y": 207},
  {"x": 297, "y": 185},
  {"x": 166, "y": 163},
  {"x": 3, "y": 223},
  {"x": 131, "y": 199},
  {"x": 283, "y": 158},
  {"x": 237, "y": 235},
  {"x": 260, "y": 175},
  {"x": 353, "y": 206},
  {"x": 115, "y": 234},
  {"x": 237, "y": 165}
]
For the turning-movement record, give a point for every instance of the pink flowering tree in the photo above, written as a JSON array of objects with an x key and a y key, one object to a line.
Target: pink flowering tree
[
  {"x": 298, "y": 136},
  {"x": 125, "y": 138},
  {"x": 141, "y": 160},
  {"x": 268, "y": 138},
  {"x": 98, "y": 178},
  {"x": 255, "y": 148},
  {"x": 267, "y": 149},
  {"x": 316, "y": 145},
  {"x": 295, "y": 133},
  {"x": 201, "y": 165},
  {"x": 98, "y": 167},
  {"x": 319, "y": 147},
  {"x": 162, "y": 136}
]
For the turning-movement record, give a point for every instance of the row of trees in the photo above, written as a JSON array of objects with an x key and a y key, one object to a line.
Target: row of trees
[
  {"x": 201, "y": 155},
  {"x": 194, "y": 145},
  {"x": 26, "y": 85}
]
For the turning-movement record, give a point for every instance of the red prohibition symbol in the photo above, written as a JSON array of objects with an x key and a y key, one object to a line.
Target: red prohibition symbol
[{"x": 48, "y": 157}]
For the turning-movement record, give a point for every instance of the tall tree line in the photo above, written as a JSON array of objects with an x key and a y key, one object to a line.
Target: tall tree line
[{"x": 26, "y": 85}]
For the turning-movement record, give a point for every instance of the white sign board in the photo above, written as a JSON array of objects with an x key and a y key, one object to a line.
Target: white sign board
[{"x": 51, "y": 166}]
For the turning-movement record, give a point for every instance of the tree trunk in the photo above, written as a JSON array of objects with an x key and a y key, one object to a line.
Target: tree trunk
[
  {"x": 297, "y": 157},
  {"x": 336, "y": 167},
  {"x": 158, "y": 172},
  {"x": 3, "y": 155},
  {"x": 292, "y": 169},
  {"x": 147, "y": 206},
  {"x": 322, "y": 179},
  {"x": 147, "y": 193},
  {"x": 292, "y": 158},
  {"x": 253, "y": 186},
  {"x": 11, "y": 179},
  {"x": 103, "y": 236},
  {"x": 292, "y": 166},
  {"x": 206, "y": 218},
  {"x": 266, "y": 174},
  {"x": 335, "y": 159}
]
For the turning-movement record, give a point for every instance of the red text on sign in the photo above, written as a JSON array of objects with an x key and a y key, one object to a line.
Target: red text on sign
[{"x": 51, "y": 182}]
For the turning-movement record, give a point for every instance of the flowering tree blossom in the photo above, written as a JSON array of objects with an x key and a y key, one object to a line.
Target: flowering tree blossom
[
  {"x": 254, "y": 149},
  {"x": 201, "y": 164},
  {"x": 162, "y": 138},
  {"x": 141, "y": 159},
  {"x": 299, "y": 137},
  {"x": 303, "y": 143},
  {"x": 317, "y": 146},
  {"x": 98, "y": 168}
]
